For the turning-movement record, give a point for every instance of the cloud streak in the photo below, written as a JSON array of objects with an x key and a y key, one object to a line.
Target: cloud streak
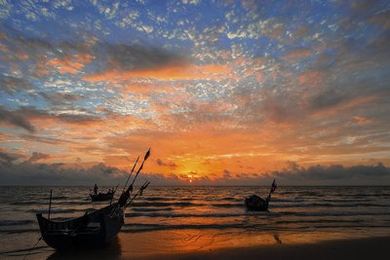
[{"x": 16, "y": 119}]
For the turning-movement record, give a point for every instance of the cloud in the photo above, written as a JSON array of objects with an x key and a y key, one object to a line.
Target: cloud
[
  {"x": 297, "y": 54},
  {"x": 33, "y": 173},
  {"x": 15, "y": 118},
  {"x": 124, "y": 57},
  {"x": 70, "y": 64},
  {"x": 12, "y": 85},
  {"x": 38, "y": 156},
  {"x": 168, "y": 72},
  {"x": 377, "y": 174},
  {"x": 168, "y": 164},
  {"x": 6, "y": 159},
  {"x": 58, "y": 98}
]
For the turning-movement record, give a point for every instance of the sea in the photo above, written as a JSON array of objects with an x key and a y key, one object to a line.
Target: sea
[{"x": 192, "y": 218}]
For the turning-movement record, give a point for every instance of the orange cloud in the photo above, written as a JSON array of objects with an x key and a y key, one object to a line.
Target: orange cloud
[
  {"x": 347, "y": 105},
  {"x": 71, "y": 64},
  {"x": 312, "y": 78},
  {"x": 173, "y": 72},
  {"x": 297, "y": 54},
  {"x": 361, "y": 120}
]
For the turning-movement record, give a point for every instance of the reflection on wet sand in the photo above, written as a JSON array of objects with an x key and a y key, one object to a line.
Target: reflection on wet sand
[
  {"x": 162, "y": 243},
  {"x": 277, "y": 238},
  {"x": 111, "y": 251},
  {"x": 144, "y": 244},
  {"x": 177, "y": 243}
]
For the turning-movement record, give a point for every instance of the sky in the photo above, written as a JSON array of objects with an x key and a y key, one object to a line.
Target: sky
[{"x": 225, "y": 92}]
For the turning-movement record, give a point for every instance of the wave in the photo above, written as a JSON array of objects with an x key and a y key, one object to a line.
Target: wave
[
  {"x": 57, "y": 211},
  {"x": 320, "y": 224},
  {"x": 18, "y": 231},
  {"x": 53, "y": 203},
  {"x": 15, "y": 222},
  {"x": 140, "y": 227},
  {"x": 151, "y": 209},
  {"x": 227, "y": 205},
  {"x": 328, "y": 205},
  {"x": 184, "y": 215},
  {"x": 55, "y": 198},
  {"x": 326, "y": 214},
  {"x": 318, "y": 221},
  {"x": 156, "y": 213},
  {"x": 166, "y": 204},
  {"x": 181, "y": 203}
]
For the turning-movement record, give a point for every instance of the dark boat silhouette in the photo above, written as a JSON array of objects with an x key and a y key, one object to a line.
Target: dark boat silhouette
[
  {"x": 256, "y": 203},
  {"x": 94, "y": 229},
  {"x": 102, "y": 196}
]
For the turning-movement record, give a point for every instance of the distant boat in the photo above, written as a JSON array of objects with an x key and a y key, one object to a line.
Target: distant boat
[
  {"x": 102, "y": 196},
  {"x": 256, "y": 203},
  {"x": 93, "y": 229}
]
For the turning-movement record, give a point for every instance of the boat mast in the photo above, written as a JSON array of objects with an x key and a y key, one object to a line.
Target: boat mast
[{"x": 48, "y": 215}]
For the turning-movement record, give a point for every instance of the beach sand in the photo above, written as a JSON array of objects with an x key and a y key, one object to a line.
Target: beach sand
[
  {"x": 143, "y": 246},
  {"x": 368, "y": 248}
]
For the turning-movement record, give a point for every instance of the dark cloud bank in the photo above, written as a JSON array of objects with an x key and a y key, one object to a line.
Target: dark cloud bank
[{"x": 31, "y": 172}]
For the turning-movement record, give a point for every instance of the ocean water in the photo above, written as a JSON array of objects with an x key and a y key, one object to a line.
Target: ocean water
[{"x": 350, "y": 210}]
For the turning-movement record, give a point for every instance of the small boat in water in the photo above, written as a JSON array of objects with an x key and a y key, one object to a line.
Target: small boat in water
[
  {"x": 256, "y": 203},
  {"x": 102, "y": 196}
]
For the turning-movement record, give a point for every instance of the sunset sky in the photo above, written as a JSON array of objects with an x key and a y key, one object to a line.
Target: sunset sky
[{"x": 225, "y": 92}]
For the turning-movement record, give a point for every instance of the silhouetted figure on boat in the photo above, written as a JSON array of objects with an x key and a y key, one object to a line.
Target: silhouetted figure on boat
[
  {"x": 95, "y": 189},
  {"x": 256, "y": 203},
  {"x": 102, "y": 196}
]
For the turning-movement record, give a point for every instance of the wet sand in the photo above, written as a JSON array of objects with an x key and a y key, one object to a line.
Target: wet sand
[
  {"x": 366, "y": 248},
  {"x": 208, "y": 244},
  {"x": 363, "y": 248}
]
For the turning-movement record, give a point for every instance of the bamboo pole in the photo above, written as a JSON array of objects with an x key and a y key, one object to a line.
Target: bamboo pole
[
  {"x": 51, "y": 194},
  {"x": 131, "y": 172}
]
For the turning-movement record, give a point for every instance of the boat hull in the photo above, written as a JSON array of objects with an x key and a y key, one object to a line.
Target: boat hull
[
  {"x": 255, "y": 203},
  {"x": 95, "y": 229},
  {"x": 102, "y": 196}
]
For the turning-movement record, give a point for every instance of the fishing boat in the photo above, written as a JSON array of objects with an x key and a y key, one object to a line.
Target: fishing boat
[
  {"x": 95, "y": 228},
  {"x": 256, "y": 203},
  {"x": 102, "y": 196}
]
